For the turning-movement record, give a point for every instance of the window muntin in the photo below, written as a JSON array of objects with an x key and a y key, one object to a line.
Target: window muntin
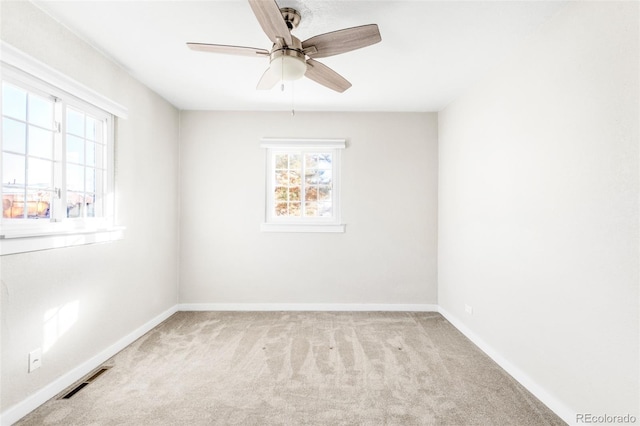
[{"x": 302, "y": 184}]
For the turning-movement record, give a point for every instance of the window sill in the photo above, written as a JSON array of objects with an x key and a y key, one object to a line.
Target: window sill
[
  {"x": 289, "y": 227},
  {"x": 25, "y": 242}
]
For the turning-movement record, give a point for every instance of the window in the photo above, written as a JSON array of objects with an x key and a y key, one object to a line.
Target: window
[
  {"x": 302, "y": 185},
  {"x": 53, "y": 157},
  {"x": 56, "y": 158}
]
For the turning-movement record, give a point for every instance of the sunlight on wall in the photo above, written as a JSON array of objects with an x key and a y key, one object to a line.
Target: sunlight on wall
[{"x": 57, "y": 321}]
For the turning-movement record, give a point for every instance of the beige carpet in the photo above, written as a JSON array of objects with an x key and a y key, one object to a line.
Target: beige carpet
[{"x": 300, "y": 368}]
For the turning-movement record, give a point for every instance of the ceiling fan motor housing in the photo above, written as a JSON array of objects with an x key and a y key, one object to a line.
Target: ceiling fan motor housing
[{"x": 289, "y": 62}]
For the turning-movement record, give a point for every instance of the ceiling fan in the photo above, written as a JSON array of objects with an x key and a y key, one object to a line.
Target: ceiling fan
[{"x": 290, "y": 58}]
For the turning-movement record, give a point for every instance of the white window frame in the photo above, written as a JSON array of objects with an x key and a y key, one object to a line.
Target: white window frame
[
  {"x": 25, "y": 235},
  {"x": 273, "y": 223}
]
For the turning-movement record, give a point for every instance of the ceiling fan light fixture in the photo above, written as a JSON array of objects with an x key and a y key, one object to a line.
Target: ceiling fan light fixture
[{"x": 288, "y": 64}]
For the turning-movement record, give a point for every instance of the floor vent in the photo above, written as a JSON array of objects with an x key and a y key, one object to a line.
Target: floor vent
[
  {"x": 97, "y": 374},
  {"x": 84, "y": 382}
]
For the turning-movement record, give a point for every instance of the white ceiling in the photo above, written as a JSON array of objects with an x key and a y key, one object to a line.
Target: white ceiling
[{"x": 431, "y": 51}]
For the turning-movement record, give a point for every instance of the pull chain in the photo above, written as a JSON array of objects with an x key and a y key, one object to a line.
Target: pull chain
[
  {"x": 282, "y": 74},
  {"x": 293, "y": 87}
]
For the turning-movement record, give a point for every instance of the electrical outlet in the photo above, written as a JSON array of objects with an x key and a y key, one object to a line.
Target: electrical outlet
[
  {"x": 35, "y": 359},
  {"x": 468, "y": 309}
]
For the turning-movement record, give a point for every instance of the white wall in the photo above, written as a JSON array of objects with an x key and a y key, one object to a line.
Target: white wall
[
  {"x": 538, "y": 209},
  {"x": 389, "y": 204},
  {"x": 113, "y": 288}
]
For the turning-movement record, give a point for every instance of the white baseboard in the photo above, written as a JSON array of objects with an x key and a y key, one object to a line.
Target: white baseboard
[
  {"x": 554, "y": 404},
  {"x": 21, "y": 409},
  {"x": 333, "y": 307}
]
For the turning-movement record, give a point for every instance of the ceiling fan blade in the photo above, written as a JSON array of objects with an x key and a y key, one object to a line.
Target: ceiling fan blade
[
  {"x": 342, "y": 41},
  {"x": 324, "y": 75},
  {"x": 271, "y": 20},
  {"x": 230, "y": 50},
  {"x": 268, "y": 80}
]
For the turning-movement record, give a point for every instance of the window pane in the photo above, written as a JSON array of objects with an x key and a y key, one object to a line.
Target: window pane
[
  {"x": 90, "y": 203},
  {"x": 295, "y": 161},
  {"x": 315, "y": 176},
  {"x": 311, "y": 176},
  {"x": 294, "y": 193},
  {"x": 40, "y": 111},
  {"x": 100, "y": 155},
  {"x": 324, "y": 161},
  {"x": 40, "y": 142},
  {"x": 75, "y": 122},
  {"x": 13, "y": 169},
  {"x": 90, "y": 159},
  {"x": 282, "y": 161},
  {"x": 294, "y": 178},
  {"x": 90, "y": 180},
  {"x": 325, "y": 177},
  {"x": 324, "y": 209},
  {"x": 75, "y": 201},
  {"x": 38, "y": 204},
  {"x": 282, "y": 177},
  {"x": 92, "y": 129},
  {"x": 311, "y": 209},
  {"x": 75, "y": 178},
  {"x": 311, "y": 161},
  {"x": 75, "y": 150},
  {"x": 14, "y": 102},
  {"x": 12, "y": 203},
  {"x": 281, "y": 209},
  {"x": 101, "y": 178},
  {"x": 13, "y": 135},
  {"x": 294, "y": 209},
  {"x": 324, "y": 193},
  {"x": 311, "y": 193},
  {"x": 40, "y": 173},
  {"x": 281, "y": 193}
]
